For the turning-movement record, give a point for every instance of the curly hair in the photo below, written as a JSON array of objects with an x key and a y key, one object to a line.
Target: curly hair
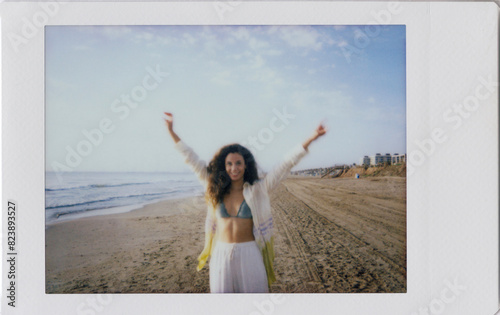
[{"x": 219, "y": 181}]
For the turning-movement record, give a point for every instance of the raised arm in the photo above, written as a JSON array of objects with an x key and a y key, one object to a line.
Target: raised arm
[
  {"x": 198, "y": 166},
  {"x": 169, "y": 121},
  {"x": 318, "y": 132},
  {"x": 280, "y": 172}
]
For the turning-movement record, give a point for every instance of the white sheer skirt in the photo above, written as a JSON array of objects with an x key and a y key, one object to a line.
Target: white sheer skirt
[{"x": 237, "y": 268}]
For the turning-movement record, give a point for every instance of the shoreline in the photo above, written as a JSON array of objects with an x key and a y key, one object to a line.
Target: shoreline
[
  {"x": 331, "y": 235},
  {"x": 111, "y": 211}
]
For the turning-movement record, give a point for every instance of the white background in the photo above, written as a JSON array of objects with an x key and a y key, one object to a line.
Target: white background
[{"x": 452, "y": 234}]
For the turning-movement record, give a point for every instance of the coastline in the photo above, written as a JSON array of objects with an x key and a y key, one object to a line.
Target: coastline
[
  {"x": 114, "y": 210},
  {"x": 331, "y": 235}
]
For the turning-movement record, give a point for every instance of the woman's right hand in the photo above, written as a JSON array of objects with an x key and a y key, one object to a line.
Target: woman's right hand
[{"x": 169, "y": 121}]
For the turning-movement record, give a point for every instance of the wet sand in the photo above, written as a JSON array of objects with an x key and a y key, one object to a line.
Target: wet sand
[{"x": 331, "y": 235}]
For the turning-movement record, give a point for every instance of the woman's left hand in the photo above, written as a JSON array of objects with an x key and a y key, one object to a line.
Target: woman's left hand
[{"x": 320, "y": 131}]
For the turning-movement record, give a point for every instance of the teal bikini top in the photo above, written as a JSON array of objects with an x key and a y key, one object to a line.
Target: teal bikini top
[{"x": 243, "y": 212}]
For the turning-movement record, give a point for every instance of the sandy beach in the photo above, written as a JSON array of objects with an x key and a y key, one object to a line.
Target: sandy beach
[{"x": 331, "y": 235}]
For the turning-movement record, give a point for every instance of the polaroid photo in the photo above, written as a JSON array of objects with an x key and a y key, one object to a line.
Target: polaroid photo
[{"x": 305, "y": 157}]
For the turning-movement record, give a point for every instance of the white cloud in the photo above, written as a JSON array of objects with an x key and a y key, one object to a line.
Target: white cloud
[
  {"x": 245, "y": 54},
  {"x": 301, "y": 37},
  {"x": 254, "y": 43},
  {"x": 164, "y": 40},
  {"x": 155, "y": 55},
  {"x": 257, "y": 62},
  {"x": 115, "y": 32},
  {"x": 189, "y": 39},
  {"x": 58, "y": 84},
  {"x": 111, "y": 32},
  {"x": 268, "y": 76},
  {"x": 358, "y": 33},
  {"x": 147, "y": 36},
  {"x": 273, "y": 52},
  {"x": 380, "y": 114},
  {"x": 329, "y": 102},
  {"x": 222, "y": 78},
  {"x": 240, "y": 33},
  {"x": 259, "y": 71},
  {"x": 342, "y": 43},
  {"x": 208, "y": 37},
  {"x": 81, "y": 47},
  {"x": 331, "y": 41}
]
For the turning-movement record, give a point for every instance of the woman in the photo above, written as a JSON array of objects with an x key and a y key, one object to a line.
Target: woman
[{"x": 238, "y": 226}]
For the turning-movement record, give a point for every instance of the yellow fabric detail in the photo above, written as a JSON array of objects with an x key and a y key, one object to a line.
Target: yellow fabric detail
[
  {"x": 268, "y": 256},
  {"x": 207, "y": 251},
  {"x": 209, "y": 243}
]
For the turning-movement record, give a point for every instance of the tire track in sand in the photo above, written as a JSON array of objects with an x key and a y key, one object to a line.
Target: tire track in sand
[{"x": 314, "y": 254}]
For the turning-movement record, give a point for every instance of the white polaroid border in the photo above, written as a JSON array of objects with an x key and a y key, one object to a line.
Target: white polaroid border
[{"x": 452, "y": 145}]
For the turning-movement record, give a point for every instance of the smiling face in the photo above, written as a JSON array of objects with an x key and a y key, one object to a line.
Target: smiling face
[{"x": 235, "y": 166}]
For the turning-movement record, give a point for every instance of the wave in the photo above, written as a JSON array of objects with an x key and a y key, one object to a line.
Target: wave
[
  {"x": 58, "y": 215},
  {"x": 94, "y": 186},
  {"x": 108, "y": 199}
]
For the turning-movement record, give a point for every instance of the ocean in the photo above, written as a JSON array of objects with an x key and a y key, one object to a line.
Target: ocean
[{"x": 80, "y": 194}]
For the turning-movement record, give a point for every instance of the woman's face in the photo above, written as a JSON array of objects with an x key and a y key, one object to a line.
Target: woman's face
[{"x": 235, "y": 166}]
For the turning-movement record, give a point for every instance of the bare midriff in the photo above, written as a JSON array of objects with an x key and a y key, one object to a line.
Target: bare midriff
[{"x": 234, "y": 230}]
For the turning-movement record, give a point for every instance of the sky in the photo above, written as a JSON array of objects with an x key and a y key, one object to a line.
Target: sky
[{"x": 265, "y": 87}]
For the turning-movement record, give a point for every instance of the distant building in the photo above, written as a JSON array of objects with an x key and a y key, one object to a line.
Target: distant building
[
  {"x": 365, "y": 160},
  {"x": 378, "y": 158},
  {"x": 386, "y": 158},
  {"x": 398, "y": 158}
]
